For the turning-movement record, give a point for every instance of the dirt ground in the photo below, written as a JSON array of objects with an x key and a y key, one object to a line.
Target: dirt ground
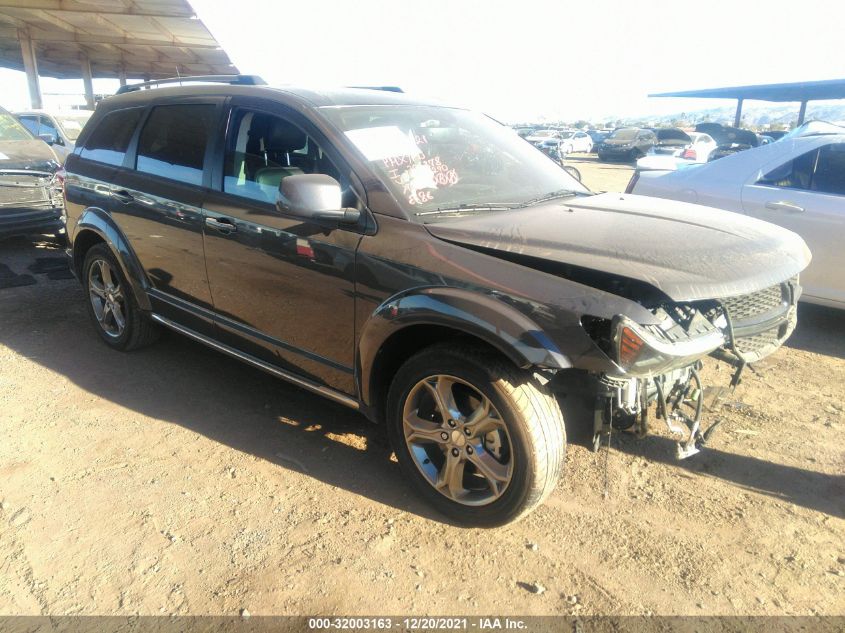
[{"x": 174, "y": 480}]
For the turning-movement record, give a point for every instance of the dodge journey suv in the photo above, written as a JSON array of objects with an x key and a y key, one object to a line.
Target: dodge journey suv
[{"x": 420, "y": 264}]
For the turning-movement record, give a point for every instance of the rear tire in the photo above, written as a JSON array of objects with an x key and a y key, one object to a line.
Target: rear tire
[
  {"x": 498, "y": 451},
  {"x": 111, "y": 303}
]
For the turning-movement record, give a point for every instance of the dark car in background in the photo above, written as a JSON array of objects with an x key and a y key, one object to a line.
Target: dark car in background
[
  {"x": 598, "y": 136},
  {"x": 627, "y": 144},
  {"x": 670, "y": 141},
  {"x": 30, "y": 192},
  {"x": 417, "y": 263}
]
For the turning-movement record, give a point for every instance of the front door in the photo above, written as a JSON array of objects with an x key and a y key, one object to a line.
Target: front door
[
  {"x": 283, "y": 289},
  {"x": 807, "y": 195}
]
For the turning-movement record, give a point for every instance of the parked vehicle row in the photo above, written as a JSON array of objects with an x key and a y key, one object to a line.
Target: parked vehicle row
[{"x": 30, "y": 194}]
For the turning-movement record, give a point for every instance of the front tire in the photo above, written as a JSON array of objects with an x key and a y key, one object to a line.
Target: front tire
[
  {"x": 111, "y": 304},
  {"x": 479, "y": 438}
]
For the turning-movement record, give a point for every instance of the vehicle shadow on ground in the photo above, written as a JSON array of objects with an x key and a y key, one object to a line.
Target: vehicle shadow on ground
[
  {"x": 807, "y": 488},
  {"x": 810, "y": 489},
  {"x": 820, "y": 330},
  {"x": 182, "y": 382}
]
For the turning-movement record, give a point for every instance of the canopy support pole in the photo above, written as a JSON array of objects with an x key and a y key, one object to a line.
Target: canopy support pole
[
  {"x": 801, "y": 112},
  {"x": 30, "y": 64},
  {"x": 738, "y": 112},
  {"x": 88, "y": 82}
]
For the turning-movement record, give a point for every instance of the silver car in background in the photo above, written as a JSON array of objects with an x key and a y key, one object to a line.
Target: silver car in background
[{"x": 797, "y": 183}]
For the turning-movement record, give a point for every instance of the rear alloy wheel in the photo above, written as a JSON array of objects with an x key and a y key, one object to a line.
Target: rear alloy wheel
[
  {"x": 478, "y": 438},
  {"x": 111, "y": 304}
]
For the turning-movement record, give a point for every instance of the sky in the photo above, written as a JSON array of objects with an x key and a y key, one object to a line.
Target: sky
[{"x": 521, "y": 61}]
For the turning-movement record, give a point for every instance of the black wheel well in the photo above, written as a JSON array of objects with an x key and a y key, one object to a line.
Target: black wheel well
[
  {"x": 82, "y": 243},
  {"x": 400, "y": 346}
]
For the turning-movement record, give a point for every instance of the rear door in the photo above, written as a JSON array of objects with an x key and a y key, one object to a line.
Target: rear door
[
  {"x": 807, "y": 196},
  {"x": 157, "y": 201}
]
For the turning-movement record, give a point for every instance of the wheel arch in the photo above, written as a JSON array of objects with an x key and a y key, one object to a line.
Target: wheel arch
[
  {"x": 96, "y": 226},
  {"x": 416, "y": 319}
]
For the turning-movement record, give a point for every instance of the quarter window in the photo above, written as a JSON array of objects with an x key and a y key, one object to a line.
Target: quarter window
[
  {"x": 109, "y": 140},
  {"x": 830, "y": 170},
  {"x": 173, "y": 142}
]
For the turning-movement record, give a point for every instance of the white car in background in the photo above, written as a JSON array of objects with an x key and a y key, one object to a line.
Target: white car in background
[
  {"x": 691, "y": 147},
  {"x": 575, "y": 141},
  {"x": 540, "y": 136},
  {"x": 797, "y": 183},
  {"x": 57, "y": 128}
]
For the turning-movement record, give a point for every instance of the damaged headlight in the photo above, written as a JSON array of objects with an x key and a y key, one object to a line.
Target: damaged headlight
[{"x": 649, "y": 350}]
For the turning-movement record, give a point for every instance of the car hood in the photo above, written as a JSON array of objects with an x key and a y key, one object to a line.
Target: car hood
[
  {"x": 35, "y": 155},
  {"x": 686, "y": 251}
]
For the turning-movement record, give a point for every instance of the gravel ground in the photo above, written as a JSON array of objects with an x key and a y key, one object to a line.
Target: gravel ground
[{"x": 174, "y": 480}]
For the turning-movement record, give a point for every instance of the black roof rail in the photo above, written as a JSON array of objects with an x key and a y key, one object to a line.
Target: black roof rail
[
  {"x": 239, "y": 80},
  {"x": 385, "y": 88}
]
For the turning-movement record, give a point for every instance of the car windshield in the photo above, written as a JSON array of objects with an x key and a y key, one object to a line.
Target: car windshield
[
  {"x": 624, "y": 135},
  {"x": 544, "y": 133},
  {"x": 567, "y": 134},
  {"x": 72, "y": 124},
  {"x": 11, "y": 130},
  {"x": 437, "y": 159}
]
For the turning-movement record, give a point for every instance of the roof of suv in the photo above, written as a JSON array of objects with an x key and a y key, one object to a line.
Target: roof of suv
[{"x": 312, "y": 97}]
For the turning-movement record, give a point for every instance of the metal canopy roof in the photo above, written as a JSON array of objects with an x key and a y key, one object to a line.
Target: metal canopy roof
[
  {"x": 134, "y": 38},
  {"x": 800, "y": 91}
]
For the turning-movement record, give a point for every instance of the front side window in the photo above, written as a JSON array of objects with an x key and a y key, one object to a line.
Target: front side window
[
  {"x": 262, "y": 149},
  {"x": 110, "y": 139},
  {"x": 30, "y": 123},
  {"x": 437, "y": 159},
  {"x": 47, "y": 127},
  {"x": 173, "y": 141}
]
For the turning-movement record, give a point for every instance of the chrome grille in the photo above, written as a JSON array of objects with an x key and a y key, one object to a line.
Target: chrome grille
[{"x": 25, "y": 190}]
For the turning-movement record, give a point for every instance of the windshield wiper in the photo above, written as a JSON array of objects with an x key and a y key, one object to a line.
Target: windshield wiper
[
  {"x": 560, "y": 193},
  {"x": 481, "y": 206}
]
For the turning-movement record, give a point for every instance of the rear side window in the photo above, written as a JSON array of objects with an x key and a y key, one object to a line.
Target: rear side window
[
  {"x": 173, "y": 142},
  {"x": 30, "y": 123},
  {"x": 109, "y": 140},
  {"x": 796, "y": 174}
]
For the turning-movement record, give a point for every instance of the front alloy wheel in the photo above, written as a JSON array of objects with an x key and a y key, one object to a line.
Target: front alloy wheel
[
  {"x": 458, "y": 440},
  {"x": 480, "y": 439}
]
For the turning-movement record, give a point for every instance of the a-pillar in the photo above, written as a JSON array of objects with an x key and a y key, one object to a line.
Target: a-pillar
[
  {"x": 30, "y": 64},
  {"x": 88, "y": 82}
]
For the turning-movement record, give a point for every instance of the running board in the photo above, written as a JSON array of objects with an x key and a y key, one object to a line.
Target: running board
[{"x": 326, "y": 392}]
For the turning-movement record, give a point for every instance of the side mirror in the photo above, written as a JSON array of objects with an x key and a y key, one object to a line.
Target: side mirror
[
  {"x": 314, "y": 197},
  {"x": 48, "y": 138}
]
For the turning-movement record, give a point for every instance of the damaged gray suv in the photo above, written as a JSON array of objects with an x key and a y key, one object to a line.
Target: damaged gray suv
[{"x": 420, "y": 264}]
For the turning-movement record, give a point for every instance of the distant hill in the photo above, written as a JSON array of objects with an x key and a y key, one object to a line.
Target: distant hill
[{"x": 756, "y": 116}]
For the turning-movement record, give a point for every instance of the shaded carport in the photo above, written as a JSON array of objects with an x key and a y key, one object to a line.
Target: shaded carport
[
  {"x": 122, "y": 39},
  {"x": 802, "y": 91}
]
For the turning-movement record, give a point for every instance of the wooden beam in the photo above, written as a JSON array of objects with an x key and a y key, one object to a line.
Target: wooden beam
[
  {"x": 69, "y": 6},
  {"x": 40, "y": 35}
]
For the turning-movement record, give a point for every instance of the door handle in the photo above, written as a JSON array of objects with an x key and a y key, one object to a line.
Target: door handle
[
  {"x": 784, "y": 206},
  {"x": 224, "y": 225},
  {"x": 122, "y": 196}
]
